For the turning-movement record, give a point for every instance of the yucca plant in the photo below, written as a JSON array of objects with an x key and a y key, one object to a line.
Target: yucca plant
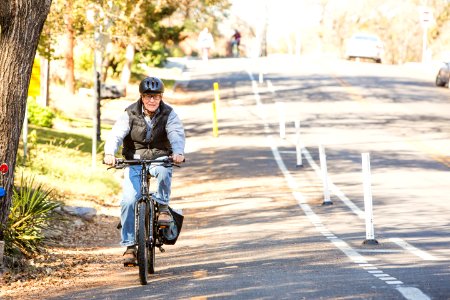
[{"x": 31, "y": 211}]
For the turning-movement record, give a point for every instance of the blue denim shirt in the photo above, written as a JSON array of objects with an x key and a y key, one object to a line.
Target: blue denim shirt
[{"x": 174, "y": 129}]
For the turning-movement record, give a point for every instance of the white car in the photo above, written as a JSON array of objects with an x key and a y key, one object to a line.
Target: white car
[{"x": 366, "y": 46}]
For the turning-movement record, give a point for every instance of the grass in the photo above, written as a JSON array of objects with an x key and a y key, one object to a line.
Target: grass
[{"x": 62, "y": 161}]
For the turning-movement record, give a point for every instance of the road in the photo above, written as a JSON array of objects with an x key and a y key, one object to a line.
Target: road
[{"x": 256, "y": 226}]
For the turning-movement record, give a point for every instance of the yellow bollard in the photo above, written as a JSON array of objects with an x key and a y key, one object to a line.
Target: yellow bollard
[
  {"x": 215, "y": 123},
  {"x": 215, "y": 105},
  {"x": 216, "y": 94}
]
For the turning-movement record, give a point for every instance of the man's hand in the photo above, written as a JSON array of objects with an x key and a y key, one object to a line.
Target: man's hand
[
  {"x": 178, "y": 158},
  {"x": 110, "y": 160}
]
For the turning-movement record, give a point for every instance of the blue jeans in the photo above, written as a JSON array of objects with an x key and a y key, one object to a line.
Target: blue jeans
[{"x": 132, "y": 192}]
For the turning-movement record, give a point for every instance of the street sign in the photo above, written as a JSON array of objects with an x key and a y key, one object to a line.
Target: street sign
[{"x": 426, "y": 16}]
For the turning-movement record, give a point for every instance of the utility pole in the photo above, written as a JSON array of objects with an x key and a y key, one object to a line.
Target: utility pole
[
  {"x": 92, "y": 15},
  {"x": 264, "y": 33},
  {"x": 426, "y": 17}
]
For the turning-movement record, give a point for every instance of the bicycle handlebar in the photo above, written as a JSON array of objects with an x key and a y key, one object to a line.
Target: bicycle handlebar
[{"x": 122, "y": 163}]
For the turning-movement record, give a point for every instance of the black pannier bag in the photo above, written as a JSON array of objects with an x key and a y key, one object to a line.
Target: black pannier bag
[{"x": 171, "y": 233}]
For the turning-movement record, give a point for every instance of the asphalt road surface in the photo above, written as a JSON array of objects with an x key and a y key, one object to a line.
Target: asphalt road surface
[{"x": 256, "y": 226}]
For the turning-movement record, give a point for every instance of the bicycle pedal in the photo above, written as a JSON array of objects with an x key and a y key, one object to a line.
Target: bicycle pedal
[{"x": 162, "y": 249}]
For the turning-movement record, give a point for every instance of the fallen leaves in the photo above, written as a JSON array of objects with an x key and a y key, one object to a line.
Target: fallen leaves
[{"x": 72, "y": 257}]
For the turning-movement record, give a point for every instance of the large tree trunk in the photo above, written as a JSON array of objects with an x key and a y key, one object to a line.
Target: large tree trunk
[
  {"x": 21, "y": 23},
  {"x": 70, "y": 37}
]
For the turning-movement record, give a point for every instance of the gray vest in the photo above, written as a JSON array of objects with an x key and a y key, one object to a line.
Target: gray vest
[{"x": 136, "y": 143}]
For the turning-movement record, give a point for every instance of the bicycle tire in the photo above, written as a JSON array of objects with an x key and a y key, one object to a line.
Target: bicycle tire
[
  {"x": 151, "y": 247},
  {"x": 142, "y": 256}
]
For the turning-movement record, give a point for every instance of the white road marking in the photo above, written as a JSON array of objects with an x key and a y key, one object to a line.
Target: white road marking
[
  {"x": 407, "y": 292},
  {"x": 420, "y": 253},
  {"x": 336, "y": 191},
  {"x": 381, "y": 275},
  {"x": 396, "y": 282},
  {"x": 333, "y": 187},
  {"x": 379, "y": 250},
  {"x": 270, "y": 86},
  {"x": 412, "y": 293}
]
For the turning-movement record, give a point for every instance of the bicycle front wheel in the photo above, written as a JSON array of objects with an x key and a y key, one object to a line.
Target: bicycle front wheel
[
  {"x": 143, "y": 230},
  {"x": 151, "y": 247}
]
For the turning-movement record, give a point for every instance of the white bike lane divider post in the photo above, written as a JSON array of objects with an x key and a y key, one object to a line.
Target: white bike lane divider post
[
  {"x": 368, "y": 207},
  {"x": 323, "y": 168},
  {"x": 298, "y": 147},
  {"x": 282, "y": 119}
]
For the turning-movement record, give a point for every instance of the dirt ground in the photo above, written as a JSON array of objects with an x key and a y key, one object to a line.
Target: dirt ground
[{"x": 72, "y": 258}]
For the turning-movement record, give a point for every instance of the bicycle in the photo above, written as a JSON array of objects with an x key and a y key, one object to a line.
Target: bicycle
[{"x": 148, "y": 233}]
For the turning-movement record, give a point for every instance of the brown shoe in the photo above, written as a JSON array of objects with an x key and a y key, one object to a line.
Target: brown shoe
[
  {"x": 165, "y": 218},
  {"x": 129, "y": 257}
]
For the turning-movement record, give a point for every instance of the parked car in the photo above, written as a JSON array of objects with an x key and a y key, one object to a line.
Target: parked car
[
  {"x": 443, "y": 76},
  {"x": 366, "y": 46}
]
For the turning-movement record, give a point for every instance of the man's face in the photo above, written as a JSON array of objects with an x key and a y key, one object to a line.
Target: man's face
[{"x": 151, "y": 102}]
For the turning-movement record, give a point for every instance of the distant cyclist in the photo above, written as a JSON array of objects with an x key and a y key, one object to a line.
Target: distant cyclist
[
  {"x": 235, "y": 43},
  {"x": 147, "y": 129}
]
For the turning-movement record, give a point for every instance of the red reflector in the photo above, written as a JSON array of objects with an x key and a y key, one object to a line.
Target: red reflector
[{"x": 4, "y": 168}]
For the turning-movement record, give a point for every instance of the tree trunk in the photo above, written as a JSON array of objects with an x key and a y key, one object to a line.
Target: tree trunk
[
  {"x": 21, "y": 23},
  {"x": 70, "y": 37}
]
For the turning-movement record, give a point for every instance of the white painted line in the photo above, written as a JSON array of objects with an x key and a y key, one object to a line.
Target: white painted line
[
  {"x": 333, "y": 187},
  {"x": 343, "y": 246},
  {"x": 360, "y": 261},
  {"x": 379, "y": 250},
  {"x": 412, "y": 293},
  {"x": 420, "y": 253},
  {"x": 408, "y": 292},
  {"x": 387, "y": 278},
  {"x": 270, "y": 86},
  {"x": 365, "y": 265},
  {"x": 327, "y": 234},
  {"x": 396, "y": 282},
  {"x": 381, "y": 275}
]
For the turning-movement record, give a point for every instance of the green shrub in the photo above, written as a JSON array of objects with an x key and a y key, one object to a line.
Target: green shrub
[
  {"x": 32, "y": 205},
  {"x": 176, "y": 51},
  {"x": 156, "y": 56},
  {"x": 39, "y": 115}
]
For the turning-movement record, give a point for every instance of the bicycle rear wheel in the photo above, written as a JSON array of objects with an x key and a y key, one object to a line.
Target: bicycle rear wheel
[{"x": 143, "y": 230}]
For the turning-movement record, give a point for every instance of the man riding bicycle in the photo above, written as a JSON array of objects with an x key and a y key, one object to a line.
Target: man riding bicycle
[{"x": 147, "y": 129}]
